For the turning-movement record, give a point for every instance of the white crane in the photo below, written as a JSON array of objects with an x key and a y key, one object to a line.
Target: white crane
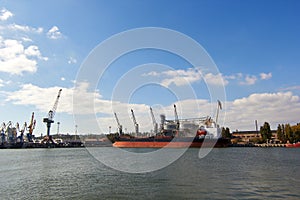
[
  {"x": 176, "y": 118},
  {"x": 136, "y": 125},
  {"x": 155, "y": 126},
  {"x": 120, "y": 131}
]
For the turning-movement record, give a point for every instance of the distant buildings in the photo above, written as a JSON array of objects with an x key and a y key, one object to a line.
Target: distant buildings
[{"x": 246, "y": 137}]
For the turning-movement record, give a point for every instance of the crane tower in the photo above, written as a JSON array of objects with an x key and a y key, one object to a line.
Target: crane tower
[{"x": 49, "y": 120}]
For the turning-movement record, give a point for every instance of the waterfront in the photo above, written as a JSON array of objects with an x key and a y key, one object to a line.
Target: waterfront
[{"x": 226, "y": 173}]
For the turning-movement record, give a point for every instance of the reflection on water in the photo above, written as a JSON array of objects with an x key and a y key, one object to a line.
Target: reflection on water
[{"x": 226, "y": 173}]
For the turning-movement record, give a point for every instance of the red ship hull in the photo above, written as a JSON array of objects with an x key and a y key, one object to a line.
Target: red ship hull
[
  {"x": 171, "y": 144},
  {"x": 296, "y": 145}
]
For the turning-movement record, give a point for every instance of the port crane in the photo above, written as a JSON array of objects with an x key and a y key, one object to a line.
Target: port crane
[
  {"x": 22, "y": 132},
  {"x": 155, "y": 126},
  {"x": 136, "y": 125},
  {"x": 31, "y": 127},
  {"x": 120, "y": 131},
  {"x": 49, "y": 120},
  {"x": 176, "y": 118}
]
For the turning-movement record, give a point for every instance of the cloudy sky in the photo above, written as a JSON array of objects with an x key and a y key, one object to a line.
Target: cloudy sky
[{"x": 255, "y": 46}]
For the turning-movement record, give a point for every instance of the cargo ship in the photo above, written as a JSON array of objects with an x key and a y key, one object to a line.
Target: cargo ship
[{"x": 178, "y": 133}]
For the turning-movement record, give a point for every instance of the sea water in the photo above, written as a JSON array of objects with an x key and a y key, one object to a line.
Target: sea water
[{"x": 225, "y": 173}]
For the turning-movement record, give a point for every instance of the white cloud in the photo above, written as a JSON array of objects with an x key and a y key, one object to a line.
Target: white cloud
[
  {"x": 274, "y": 108},
  {"x": 4, "y": 83},
  {"x": 26, "y": 39},
  {"x": 181, "y": 77},
  {"x": 249, "y": 80},
  {"x": 5, "y": 14},
  {"x": 264, "y": 76},
  {"x": 184, "y": 77},
  {"x": 215, "y": 79},
  {"x": 72, "y": 60},
  {"x": 295, "y": 87},
  {"x": 16, "y": 59},
  {"x": 192, "y": 75},
  {"x": 41, "y": 98},
  {"x": 63, "y": 78},
  {"x": 34, "y": 51},
  {"x": 28, "y": 29},
  {"x": 54, "y": 33}
]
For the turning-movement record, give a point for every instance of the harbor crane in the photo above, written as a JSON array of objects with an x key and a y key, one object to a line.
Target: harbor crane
[
  {"x": 176, "y": 118},
  {"x": 31, "y": 127},
  {"x": 136, "y": 125},
  {"x": 49, "y": 120},
  {"x": 155, "y": 126},
  {"x": 120, "y": 131},
  {"x": 22, "y": 132}
]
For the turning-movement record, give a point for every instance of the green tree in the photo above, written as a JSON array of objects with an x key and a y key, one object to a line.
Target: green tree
[
  {"x": 280, "y": 133},
  {"x": 296, "y": 131},
  {"x": 265, "y": 132},
  {"x": 288, "y": 133}
]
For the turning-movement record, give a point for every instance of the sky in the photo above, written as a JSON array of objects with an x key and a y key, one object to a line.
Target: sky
[{"x": 46, "y": 46}]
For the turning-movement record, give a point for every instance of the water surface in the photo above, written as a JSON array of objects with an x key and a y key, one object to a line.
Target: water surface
[{"x": 226, "y": 173}]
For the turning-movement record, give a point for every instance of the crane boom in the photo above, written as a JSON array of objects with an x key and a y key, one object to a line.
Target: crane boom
[
  {"x": 119, "y": 125},
  {"x": 32, "y": 124},
  {"x": 155, "y": 126},
  {"x": 136, "y": 125},
  {"x": 49, "y": 120},
  {"x": 51, "y": 113}
]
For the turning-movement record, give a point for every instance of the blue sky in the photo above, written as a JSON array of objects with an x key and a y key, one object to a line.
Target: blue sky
[{"x": 254, "y": 44}]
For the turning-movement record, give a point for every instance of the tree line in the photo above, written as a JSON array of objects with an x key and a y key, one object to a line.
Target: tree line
[
  {"x": 285, "y": 133},
  {"x": 288, "y": 133}
]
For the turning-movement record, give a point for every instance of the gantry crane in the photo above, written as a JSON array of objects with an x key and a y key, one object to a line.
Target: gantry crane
[
  {"x": 49, "y": 120},
  {"x": 155, "y": 126},
  {"x": 136, "y": 125},
  {"x": 120, "y": 131}
]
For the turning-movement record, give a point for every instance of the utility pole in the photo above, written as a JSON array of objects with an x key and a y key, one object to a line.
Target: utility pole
[
  {"x": 58, "y": 123},
  {"x": 76, "y": 132}
]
